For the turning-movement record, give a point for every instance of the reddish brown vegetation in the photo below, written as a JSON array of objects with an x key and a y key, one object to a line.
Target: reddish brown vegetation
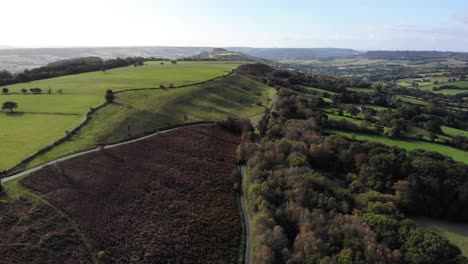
[
  {"x": 167, "y": 199},
  {"x": 36, "y": 233}
]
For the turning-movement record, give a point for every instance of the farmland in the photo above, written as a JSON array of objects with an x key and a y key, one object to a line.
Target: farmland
[
  {"x": 139, "y": 111},
  {"x": 42, "y": 119},
  {"x": 408, "y": 144},
  {"x": 454, "y": 131},
  {"x": 167, "y": 197}
]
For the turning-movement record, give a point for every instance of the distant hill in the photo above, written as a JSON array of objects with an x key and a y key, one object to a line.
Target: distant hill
[
  {"x": 297, "y": 53},
  {"x": 227, "y": 55},
  {"x": 17, "y": 60},
  {"x": 414, "y": 55}
]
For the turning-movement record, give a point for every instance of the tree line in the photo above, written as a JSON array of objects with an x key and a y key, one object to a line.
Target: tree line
[
  {"x": 320, "y": 198},
  {"x": 327, "y": 199}
]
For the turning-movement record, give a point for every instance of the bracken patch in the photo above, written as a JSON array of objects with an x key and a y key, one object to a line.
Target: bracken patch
[{"x": 165, "y": 199}]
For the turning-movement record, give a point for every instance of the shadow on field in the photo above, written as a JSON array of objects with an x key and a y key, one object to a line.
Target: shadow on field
[{"x": 14, "y": 113}]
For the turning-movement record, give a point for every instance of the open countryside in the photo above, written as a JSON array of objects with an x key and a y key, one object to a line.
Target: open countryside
[
  {"x": 50, "y": 116},
  {"x": 208, "y": 132}
]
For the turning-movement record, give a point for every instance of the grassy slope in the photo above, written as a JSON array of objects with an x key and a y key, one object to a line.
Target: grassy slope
[
  {"x": 45, "y": 118},
  {"x": 428, "y": 86},
  {"x": 454, "y": 131},
  {"x": 411, "y": 100},
  {"x": 360, "y": 90},
  {"x": 318, "y": 90},
  {"x": 407, "y": 144},
  {"x": 235, "y": 95},
  {"x": 155, "y": 74},
  {"x": 457, "y": 233}
]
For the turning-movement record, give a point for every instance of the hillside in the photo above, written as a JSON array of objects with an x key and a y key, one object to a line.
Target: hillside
[
  {"x": 140, "y": 111},
  {"x": 168, "y": 197},
  {"x": 297, "y": 53},
  {"x": 414, "y": 55},
  {"x": 19, "y": 59},
  {"x": 48, "y": 117},
  {"x": 220, "y": 54}
]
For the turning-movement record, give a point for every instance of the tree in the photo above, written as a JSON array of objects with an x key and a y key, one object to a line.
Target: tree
[
  {"x": 9, "y": 106},
  {"x": 5, "y": 90},
  {"x": 35, "y": 90},
  {"x": 110, "y": 96},
  {"x": 24, "y": 91},
  {"x": 352, "y": 110}
]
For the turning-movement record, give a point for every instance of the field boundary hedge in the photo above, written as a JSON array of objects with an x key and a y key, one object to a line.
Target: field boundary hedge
[{"x": 18, "y": 167}]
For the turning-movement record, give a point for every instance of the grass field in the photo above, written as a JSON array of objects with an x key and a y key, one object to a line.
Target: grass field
[
  {"x": 451, "y": 131},
  {"x": 407, "y": 144},
  {"x": 152, "y": 75},
  {"x": 429, "y": 86},
  {"x": 457, "y": 233},
  {"x": 140, "y": 111},
  {"x": 451, "y": 91},
  {"x": 360, "y": 90},
  {"x": 318, "y": 90},
  {"x": 411, "y": 100},
  {"x": 42, "y": 119}
]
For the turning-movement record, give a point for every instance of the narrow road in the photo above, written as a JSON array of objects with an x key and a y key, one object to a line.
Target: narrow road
[
  {"x": 12, "y": 177},
  {"x": 246, "y": 215},
  {"x": 243, "y": 172}
]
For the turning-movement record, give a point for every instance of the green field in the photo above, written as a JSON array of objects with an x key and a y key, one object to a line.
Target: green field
[
  {"x": 313, "y": 89},
  {"x": 411, "y": 100},
  {"x": 462, "y": 84},
  {"x": 338, "y": 117},
  {"x": 451, "y": 131},
  {"x": 408, "y": 144},
  {"x": 152, "y": 75},
  {"x": 360, "y": 90},
  {"x": 452, "y": 91},
  {"x": 429, "y": 86},
  {"x": 138, "y": 111},
  {"x": 457, "y": 233},
  {"x": 42, "y": 119}
]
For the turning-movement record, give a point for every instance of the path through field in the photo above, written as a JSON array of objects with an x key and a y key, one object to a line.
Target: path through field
[{"x": 24, "y": 173}]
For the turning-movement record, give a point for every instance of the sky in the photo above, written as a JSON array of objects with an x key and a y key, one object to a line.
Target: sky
[{"x": 359, "y": 24}]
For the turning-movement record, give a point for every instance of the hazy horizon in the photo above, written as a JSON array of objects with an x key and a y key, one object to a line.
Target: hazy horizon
[{"x": 359, "y": 25}]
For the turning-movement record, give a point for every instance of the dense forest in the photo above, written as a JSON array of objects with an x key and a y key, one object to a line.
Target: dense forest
[{"x": 322, "y": 198}]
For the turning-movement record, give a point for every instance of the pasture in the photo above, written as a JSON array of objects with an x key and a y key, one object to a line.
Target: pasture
[
  {"x": 360, "y": 90},
  {"x": 138, "y": 111},
  {"x": 411, "y": 100},
  {"x": 451, "y": 131},
  {"x": 456, "y": 154},
  {"x": 41, "y": 119}
]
